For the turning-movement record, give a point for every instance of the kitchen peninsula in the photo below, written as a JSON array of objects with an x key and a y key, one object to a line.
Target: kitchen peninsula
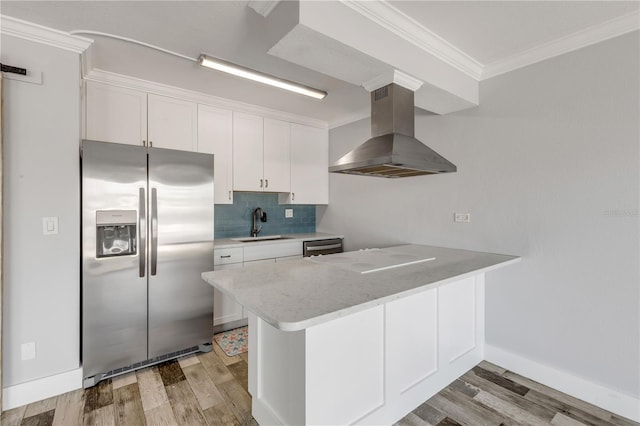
[{"x": 360, "y": 337}]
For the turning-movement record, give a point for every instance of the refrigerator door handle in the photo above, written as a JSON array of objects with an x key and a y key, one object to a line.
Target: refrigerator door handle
[
  {"x": 142, "y": 229},
  {"x": 154, "y": 230}
]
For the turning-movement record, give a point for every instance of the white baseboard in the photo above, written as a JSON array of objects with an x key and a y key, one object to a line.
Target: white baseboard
[
  {"x": 563, "y": 381},
  {"x": 36, "y": 390}
]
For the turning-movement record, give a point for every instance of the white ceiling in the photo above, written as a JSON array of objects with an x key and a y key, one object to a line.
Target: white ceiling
[
  {"x": 486, "y": 31},
  {"x": 490, "y": 31}
]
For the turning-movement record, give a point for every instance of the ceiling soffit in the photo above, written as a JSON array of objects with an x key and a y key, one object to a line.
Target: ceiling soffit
[{"x": 321, "y": 38}]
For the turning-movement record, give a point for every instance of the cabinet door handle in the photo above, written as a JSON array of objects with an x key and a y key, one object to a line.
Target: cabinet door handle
[
  {"x": 226, "y": 256},
  {"x": 266, "y": 183},
  {"x": 150, "y": 144},
  {"x": 261, "y": 181},
  {"x": 293, "y": 196},
  {"x": 144, "y": 143},
  {"x": 229, "y": 194}
]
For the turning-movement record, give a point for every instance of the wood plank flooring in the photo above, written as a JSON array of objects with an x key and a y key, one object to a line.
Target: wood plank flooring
[
  {"x": 491, "y": 395},
  {"x": 211, "y": 389}
]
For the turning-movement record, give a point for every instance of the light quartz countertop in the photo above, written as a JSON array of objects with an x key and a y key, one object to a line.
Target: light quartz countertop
[
  {"x": 299, "y": 294},
  {"x": 228, "y": 242}
]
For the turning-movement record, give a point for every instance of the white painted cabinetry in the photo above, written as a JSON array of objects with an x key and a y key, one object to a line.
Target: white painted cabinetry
[
  {"x": 261, "y": 157},
  {"x": 391, "y": 358},
  {"x": 248, "y": 133},
  {"x": 115, "y": 114},
  {"x": 172, "y": 123},
  {"x": 120, "y": 115},
  {"x": 225, "y": 309},
  {"x": 215, "y": 136},
  {"x": 253, "y": 153},
  {"x": 309, "y": 166},
  {"x": 277, "y": 156}
]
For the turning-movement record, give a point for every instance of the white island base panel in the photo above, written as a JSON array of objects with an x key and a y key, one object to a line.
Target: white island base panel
[{"x": 369, "y": 367}]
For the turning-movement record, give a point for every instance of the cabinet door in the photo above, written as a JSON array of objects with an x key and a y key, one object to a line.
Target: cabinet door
[
  {"x": 247, "y": 152},
  {"x": 225, "y": 309},
  {"x": 277, "y": 156},
  {"x": 309, "y": 165},
  {"x": 215, "y": 127},
  {"x": 116, "y": 114},
  {"x": 458, "y": 320},
  {"x": 172, "y": 123}
]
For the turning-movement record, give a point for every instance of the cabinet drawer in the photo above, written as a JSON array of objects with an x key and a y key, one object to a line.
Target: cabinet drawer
[
  {"x": 262, "y": 250},
  {"x": 288, "y": 258},
  {"x": 227, "y": 255}
]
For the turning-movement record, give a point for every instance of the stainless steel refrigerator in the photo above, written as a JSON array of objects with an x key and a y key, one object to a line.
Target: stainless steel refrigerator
[{"x": 147, "y": 235}]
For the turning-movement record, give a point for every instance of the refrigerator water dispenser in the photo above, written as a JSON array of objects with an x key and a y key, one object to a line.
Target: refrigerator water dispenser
[{"x": 116, "y": 233}]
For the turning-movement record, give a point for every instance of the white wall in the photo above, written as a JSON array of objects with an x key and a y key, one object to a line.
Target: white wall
[
  {"x": 548, "y": 168},
  {"x": 42, "y": 273}
]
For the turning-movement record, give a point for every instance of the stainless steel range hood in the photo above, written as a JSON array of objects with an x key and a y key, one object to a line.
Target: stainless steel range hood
[{"x": 392, "y": 151}]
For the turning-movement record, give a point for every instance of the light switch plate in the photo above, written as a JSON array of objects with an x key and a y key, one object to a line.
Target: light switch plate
[
  {"x": 462, "y": 217},
  {"x": 288, "y": 212},
  {"x": 49, "y": 226},
  {"x": 28, "y": 351}
]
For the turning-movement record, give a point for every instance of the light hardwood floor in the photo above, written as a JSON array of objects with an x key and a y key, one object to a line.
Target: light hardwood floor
[{"x": 211, "y": 389}]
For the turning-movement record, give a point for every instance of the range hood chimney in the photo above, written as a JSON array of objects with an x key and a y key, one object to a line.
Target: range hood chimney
[{"x": 392, "y": 151}]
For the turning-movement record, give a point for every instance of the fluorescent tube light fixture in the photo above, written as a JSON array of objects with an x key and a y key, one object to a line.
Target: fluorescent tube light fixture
[{"x": 248, "y": 73}]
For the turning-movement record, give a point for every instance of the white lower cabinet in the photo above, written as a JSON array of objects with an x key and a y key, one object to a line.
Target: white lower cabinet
[
  {"x": 225, "y": 309},
  {"x": 250, "y": 263},
  {"x": 288, "y": 258},
  {"x": 371, "y": 367}
]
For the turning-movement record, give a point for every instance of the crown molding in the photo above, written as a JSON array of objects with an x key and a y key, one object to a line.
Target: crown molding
[
  {"x": 402, "y": 25},
  {"x": 263, "y": 7},
  {"x": 393, "y": 76},
  {"x": 114, "y": 79},
  {"x": 595, "y": 34},
  {"x": 44, "y": 35}
]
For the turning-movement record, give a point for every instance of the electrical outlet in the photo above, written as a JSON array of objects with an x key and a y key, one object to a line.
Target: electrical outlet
[
  {"x": 288, "y": 212},
  {"x": 28, "y": 351},
  {"x": 49, "y": 225},
  {"x": 462, "y": 217}
]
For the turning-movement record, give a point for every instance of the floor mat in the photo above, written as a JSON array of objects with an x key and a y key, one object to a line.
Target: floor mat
[{"x": 233, "y": 342}]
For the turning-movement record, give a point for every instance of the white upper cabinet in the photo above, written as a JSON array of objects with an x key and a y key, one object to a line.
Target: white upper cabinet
[
  {"x": 309, "y": 166},
  {"x": 215, "y": 127},
  {"x": 277, "y": 157},
  {"x": 172, "y": 123},
  {"x": 261, "y": 158},
  {"x": 247, "y": 152},
  {"x": 119, "y": 115},
  {"x": 116, "y": 114},
  {"x": 252, "y": 153}
]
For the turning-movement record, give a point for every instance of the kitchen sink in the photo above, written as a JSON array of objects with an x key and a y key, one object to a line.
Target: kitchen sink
[{"x": 257, "y": 239}]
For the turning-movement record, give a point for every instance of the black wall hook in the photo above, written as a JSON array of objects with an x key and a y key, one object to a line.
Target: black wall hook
[{"x": 14, "y": 70}]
